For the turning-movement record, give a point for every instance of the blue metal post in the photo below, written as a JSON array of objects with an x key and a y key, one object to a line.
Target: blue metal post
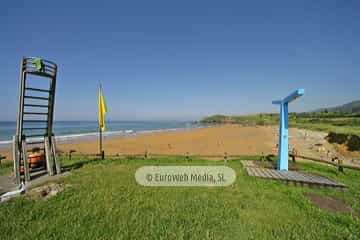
[{"x": 283, "y": 152}]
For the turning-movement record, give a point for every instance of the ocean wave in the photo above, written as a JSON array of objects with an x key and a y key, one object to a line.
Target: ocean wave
[{"x": 94, "y": 135}]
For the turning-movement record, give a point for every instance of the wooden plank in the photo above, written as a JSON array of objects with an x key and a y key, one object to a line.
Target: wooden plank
[
  {"x": 301, "y": 178},
  {"x": 312, "y": 178},
  {"x": 249, "y": 171},
  {"x": 308, "y": 177},
  {"x": 257, "y": 172},
  {"x": 274, "y": 174},
  {"x": 278, "y": 175},
  {"x": 324, "y": 180},
  {"x": 292, "y": 176},
  {"x": 284, "y": 175},
  {"x": 296, "y": 176},
  {"x": 252, "y": 170},
  {"x": 260, "y": 172},
  {"x": 319, "y": 180},
  {"x": 267, "y": 173},
  {"x": 332, "y": 181},
  {"x": 289, "y": 175}
]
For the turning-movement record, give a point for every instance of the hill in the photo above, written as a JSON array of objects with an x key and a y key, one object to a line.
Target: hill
[{"x": 351, "y": 107}]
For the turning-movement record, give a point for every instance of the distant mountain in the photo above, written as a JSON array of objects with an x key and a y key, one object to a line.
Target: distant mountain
[{"x": 351, "y": 107}]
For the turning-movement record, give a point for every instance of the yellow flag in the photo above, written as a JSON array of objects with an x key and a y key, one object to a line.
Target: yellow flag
[{"x": 102, "y": 110}]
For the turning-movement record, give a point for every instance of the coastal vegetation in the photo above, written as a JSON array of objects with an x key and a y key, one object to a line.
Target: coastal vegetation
[
  {"x": 343, "y": 129},
  {"x": 344, "y": 123},
  {"x": 102, "y": 200},
  {"x": 343, "y": 119}
]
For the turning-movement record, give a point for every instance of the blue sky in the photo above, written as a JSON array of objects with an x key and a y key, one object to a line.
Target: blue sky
[{"x": 183, "y": 59}]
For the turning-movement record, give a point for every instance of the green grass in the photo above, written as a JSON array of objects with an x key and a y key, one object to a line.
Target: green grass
[
  {"x": 321, "y": 122},
  {"x": 105, "y": 202},
  {"x": 6, "y": 167}
]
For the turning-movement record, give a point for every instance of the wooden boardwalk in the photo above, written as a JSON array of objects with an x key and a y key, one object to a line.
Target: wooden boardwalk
[{"x": 291, "y": 176}]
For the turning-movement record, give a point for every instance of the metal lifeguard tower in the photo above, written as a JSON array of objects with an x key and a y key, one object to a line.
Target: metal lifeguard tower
[{"x": 35, "y": 119}]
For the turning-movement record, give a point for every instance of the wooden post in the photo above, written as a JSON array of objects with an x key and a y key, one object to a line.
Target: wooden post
[
  {"x": 2, "y": 158},
  {"x": 48, "y": 156},
  {"x": 294, "y": 154},
  {"x": 57, "y": 161},
  {"x": 225, "y": 157},
  {"x": 51, "y": 103},
  {"x": 16, "y": 159},
  {"x": 25, "y": 160},
  {"x": 71, "y": 152},
  {"x": 340, "y": 166},
  {"x": 19, "y": 124},
  {"x": 101, "y": 152}
]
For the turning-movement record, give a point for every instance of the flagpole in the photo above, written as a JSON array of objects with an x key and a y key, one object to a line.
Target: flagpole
[
  {"x": 102, "y": 112},
  {"x": 100, "y": 145},
  {"x": 100, "y": 133}
]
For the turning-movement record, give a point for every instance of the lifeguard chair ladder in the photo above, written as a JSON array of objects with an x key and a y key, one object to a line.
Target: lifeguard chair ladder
[{"x": 35, "y": 119}]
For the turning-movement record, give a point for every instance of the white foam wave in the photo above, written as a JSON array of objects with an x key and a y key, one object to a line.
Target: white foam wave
[{"x": 94, "y": 135}]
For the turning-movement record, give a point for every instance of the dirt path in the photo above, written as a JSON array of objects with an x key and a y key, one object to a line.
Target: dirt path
[{"x": 313, "y": 144}]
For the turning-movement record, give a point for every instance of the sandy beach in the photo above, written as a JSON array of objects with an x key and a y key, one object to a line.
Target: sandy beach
[
  {"x": 232, "y": 139},
  {"x": 211, "y": 141}
]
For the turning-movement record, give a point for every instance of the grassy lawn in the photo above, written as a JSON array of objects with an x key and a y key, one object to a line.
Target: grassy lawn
[
  {"x": 104, "y": 202},
  {"x": 6, "y": 167}
]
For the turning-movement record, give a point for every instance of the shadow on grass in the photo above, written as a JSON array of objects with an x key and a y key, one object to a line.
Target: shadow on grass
[{"x": 79, "y": 164}]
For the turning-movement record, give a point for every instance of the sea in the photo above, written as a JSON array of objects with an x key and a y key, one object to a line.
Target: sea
[{"x": 70, "y": 131}]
